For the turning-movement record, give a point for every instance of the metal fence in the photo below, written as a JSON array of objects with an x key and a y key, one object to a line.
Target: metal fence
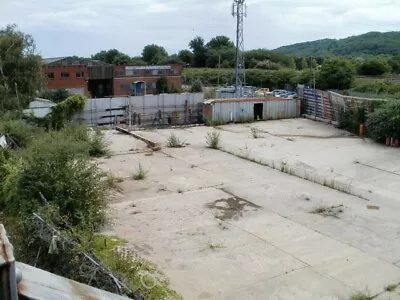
[
  {"x": 328, "y": 105},
  {"x": 141, "y": 111}
]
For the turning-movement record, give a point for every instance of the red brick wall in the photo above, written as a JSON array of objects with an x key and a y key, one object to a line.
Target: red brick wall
[{"x": 71, "y": 82}]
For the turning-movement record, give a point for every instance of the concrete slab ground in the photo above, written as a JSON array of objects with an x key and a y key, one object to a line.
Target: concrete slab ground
[{"x": 221, "y": 227}]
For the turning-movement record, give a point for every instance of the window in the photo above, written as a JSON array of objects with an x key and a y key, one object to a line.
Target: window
[
  {"x": 79, "y": 74},
  {"x": 121, "y": 73},
  {"x": 150, "y": 85},
  {"x": 148, "y": 72},
  {"x": 64, "y": 75},
  {"x": 173, "y": 72},
  {"x": 50, "y": 75}
]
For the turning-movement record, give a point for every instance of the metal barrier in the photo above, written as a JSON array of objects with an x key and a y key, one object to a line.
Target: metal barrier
[{"x": 9, "y": 274}]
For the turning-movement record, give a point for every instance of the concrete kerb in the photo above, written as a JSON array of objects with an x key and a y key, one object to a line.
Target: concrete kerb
[
  {"x": 150, "y": 144},
  {"x": 338, "y": 183}
]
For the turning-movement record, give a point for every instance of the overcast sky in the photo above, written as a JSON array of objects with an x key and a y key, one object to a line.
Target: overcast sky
[{"x": 83, "y": 27}]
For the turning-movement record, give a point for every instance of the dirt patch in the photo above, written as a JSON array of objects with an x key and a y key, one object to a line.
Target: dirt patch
[{"x": 231, "y": 208}]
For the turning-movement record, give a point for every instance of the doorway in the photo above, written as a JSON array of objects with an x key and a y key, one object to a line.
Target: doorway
[{"x": 258, "y": 111}]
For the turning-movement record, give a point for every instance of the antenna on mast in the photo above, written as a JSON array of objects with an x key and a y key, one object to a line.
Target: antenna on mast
[{"x": 239, "y": 10}]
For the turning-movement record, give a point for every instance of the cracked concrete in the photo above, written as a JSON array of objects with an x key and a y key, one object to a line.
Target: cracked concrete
[{"x": 277, "y": 250}]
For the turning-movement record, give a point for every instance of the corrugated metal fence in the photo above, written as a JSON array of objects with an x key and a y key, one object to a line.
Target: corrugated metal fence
[
  {"x": 149, "y": 110},
  {"x": 328, "y": 105}
]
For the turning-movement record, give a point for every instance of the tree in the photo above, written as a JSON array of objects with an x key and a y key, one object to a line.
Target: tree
[
  {"x": 173, "y": 59},
  {"x": 394, "y": 63},
  {"x": 292, "y": 63},
  {"x": 219, "y": 42},
  {"x": 107, "y": 56},
  {"x": 186, "y": 56},
  {"x": 199, "y": 52},
  {"x": 303, "y": 64},
  {"x": 162, "y": 85},
  {"x": 373, "y": 67},
  {"x": 138, "y": 61},
  {"x": 314, "y": 63},
  {"x": 20, "y": 68},
  {"x": 56, "y": 96},
  {"x": 122, "y": 59},
  {"x": 152, "y": 54},
  {"x": 336, "y": 74}
]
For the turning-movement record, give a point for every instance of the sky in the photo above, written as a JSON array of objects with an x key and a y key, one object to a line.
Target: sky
[{"x": 84, "y": 27}]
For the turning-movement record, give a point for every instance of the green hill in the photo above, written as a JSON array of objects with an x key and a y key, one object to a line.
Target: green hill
[{"x": 369, "y": 44}]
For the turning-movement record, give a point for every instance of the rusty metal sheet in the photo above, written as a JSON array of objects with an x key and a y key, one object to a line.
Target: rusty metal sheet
[
  {"x": 39, "y": 284},
  {"x": 8, "y": 285}
]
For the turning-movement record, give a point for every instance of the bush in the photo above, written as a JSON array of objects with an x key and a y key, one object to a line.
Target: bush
[
  {"x": 196, "y": 87},
  {"x": 56, "y": 96},
  {"x": 61, "y": 172},
  {"x": 174, "y": 142},
  {"x": 20, "y": 133},
  {"x": 384, "y": 122},
  {"x": 98, "y": 146},
  {"x": 213, "y": 140}
]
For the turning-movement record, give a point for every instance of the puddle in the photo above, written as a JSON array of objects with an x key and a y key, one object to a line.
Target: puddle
[{"x": 231, "y": 208}]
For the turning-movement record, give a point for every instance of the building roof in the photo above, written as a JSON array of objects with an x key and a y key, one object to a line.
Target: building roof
[
  {"x": 250, "y": 99},
  {"x": 51, "y": 60},
  {"x": 72, "y": 61}
]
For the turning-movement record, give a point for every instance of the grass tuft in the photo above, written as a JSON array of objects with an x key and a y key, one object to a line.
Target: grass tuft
[
  {"x": 328, "y": 211},
  {"x": 254, "y": 132},
  {"x": 391, "y": 287},
  {"x": 174, "y": 142},
  {"x": 140, "y": 173},
  {"x": 213, "y": 140}
]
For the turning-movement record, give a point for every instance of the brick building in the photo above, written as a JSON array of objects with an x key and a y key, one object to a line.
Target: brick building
[{"x": 97, "y": 79}]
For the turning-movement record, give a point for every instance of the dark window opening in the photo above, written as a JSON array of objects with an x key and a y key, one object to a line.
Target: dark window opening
[
  {"x": 50, "y": 75},
  {"x": 79, "y": 75},
  {"x": 64, "y": 75}
]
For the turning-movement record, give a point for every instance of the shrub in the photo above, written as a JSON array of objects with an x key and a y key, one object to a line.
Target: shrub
[
  {"x": 174, "y": 142},
  {"x": 213, "y": 140},
  {"x": 197, "y": 87},
  {"x": 61, "y": 172},
  {"x": 98, "y": 146},
  {"x": 385, "y": 122},
  {"x": 19, "y": 132}
]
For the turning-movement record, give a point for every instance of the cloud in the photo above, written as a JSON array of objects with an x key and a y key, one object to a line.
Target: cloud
[{"x": 85, "y": 27}]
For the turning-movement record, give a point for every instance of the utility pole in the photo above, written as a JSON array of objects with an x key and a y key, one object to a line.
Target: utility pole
[{"x": 219, "y": 67}]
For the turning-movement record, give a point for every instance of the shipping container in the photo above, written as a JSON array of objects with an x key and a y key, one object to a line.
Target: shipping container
[{"x": 250, "y": 109}]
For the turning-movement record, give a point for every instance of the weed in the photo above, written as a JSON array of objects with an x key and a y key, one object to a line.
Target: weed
[
  {"x": 140, "y": 173},
  {"x": 213, "y": 140},
  {"x": 356, "y": 161},
  {"x": 193, "y": 166},
  {"x": 180, "y": 191},
  {"x": 214, "y": 246},
  {"x": 174, "y": 142},
  {"x": 113, "y": 181},
  {"x": 391, "y": 287},
  {"x": 361, "y": 296},
  {"x": 138, "y": 273},
  {"x": 223, "y": 226},
  {"x": 328, "y": 211},
  {"x": 254, "y": 132},
  {"x": 98, "y": 146}
]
